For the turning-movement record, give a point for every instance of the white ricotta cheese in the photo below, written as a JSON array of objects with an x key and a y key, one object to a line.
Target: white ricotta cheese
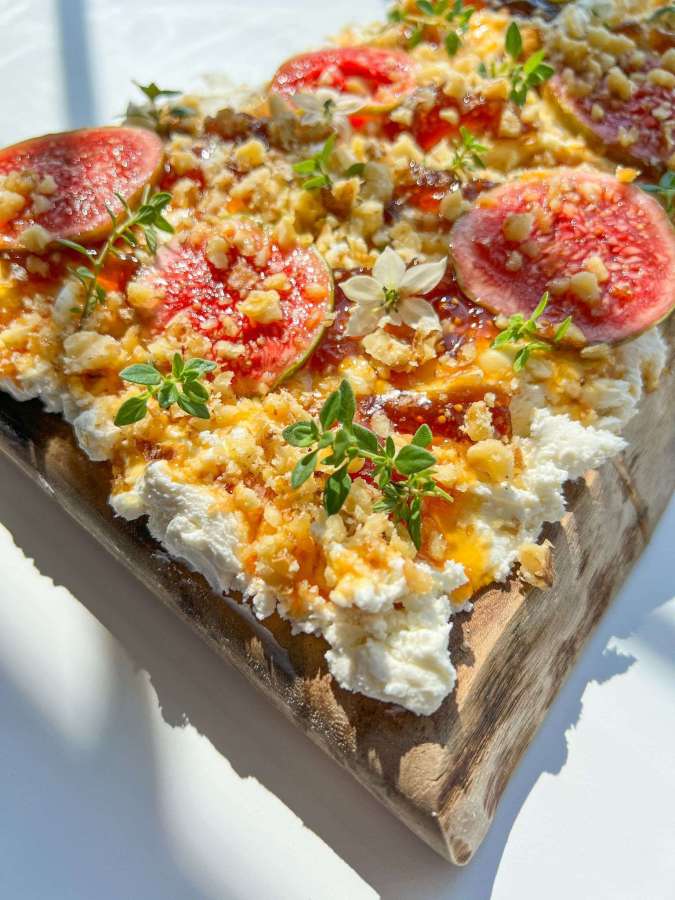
[
  {"x": 396, "y": 655},
  {"x": 96, "y": 433}
]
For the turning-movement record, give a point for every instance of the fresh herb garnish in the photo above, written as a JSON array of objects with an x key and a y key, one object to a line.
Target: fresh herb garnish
[
  {"x": 533, "y": 72},
  {"x": 182, "y": 386},
  {"x": 521, "y": 329},
  {"x": 449, "y": 21},
  {"x": 468, "y": 153},
  {"x": 664, "y": 191},
  {"x": 150, "y": 113},
  {"x": 523, "y": 76},
  {"x": 661, "y": 12},
  {"x": 404, "y": 478},
  {"x": 316, "y": 168},
  {"x": 147, "y": 217}
]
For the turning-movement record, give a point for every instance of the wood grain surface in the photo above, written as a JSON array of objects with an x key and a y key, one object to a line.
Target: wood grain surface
[{"x": 442, "y": 775}]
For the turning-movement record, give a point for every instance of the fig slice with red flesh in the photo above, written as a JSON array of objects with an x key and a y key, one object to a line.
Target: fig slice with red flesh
[
  {"x": 582, "y": 220},
  {"x": 262, "y": 338},
  {"x": 88, "y": 168},
  {"x": 383, "y": 76},
  {"x": 634, "y": 130}
]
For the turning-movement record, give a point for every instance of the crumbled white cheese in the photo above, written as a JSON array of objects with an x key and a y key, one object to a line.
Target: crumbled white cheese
[{"x": 394, "y": 654}]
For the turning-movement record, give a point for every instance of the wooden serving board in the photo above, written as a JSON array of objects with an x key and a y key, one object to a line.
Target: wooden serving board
[{"x": 442, "y": 775}]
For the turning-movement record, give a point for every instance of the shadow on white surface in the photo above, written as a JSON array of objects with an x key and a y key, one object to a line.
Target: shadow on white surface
[
  {"x": 195, "y": 686},
  {"x": 119, "y": 843},
  {"x": 86, "y": 823},
  {"x": 75, "y": 56}
]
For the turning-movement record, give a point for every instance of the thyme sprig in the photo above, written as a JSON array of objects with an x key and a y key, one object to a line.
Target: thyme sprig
[
  {"x": 150, "y": 113},
  {"x": 531, "y": 73},
  {"x": 451, "y": 22},
  {"x": 316, "y": 167},
  {"x": 664, "y": 191},
  {"x": 148, "y": 217},
  {"x": 521, "y": 329},
  {"x": 522, "y": 76},
  {"x": 661, "y": 12},
  {"x": 182, "y": 386},
  {"x": 468, "y": 153},
  {"x": 404, "y": 477}
]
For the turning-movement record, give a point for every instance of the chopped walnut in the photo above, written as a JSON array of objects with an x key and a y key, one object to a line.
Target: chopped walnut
[{"x": 536, "y": 564}]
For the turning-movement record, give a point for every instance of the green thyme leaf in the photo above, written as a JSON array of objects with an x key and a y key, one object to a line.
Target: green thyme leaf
[
  {"x": 513, "y": 43},
  {"x": 365, "y": 439},
  {"x": 663, "y": 11},
  {"x": 562, "y": 330},
  {"x": 341, "y": 444},
  {"x": 177, "y": 365},
  {"x": 416, "y": 37},
  {"x": 196, "y": 367},
  {"x": 319, "y": 181},
  {"x": 167, "y": 395},
  {"x": 330, "y": 411},
  {"x": 72, "y": 245},
  {"x": 354, "y": 170},
  {"x": 414, "y": 522},
  {"x": 411, "y": 459},
  {"x": 195, "y": 390},
  {"x": 305, "y": 166},
  {"x": 347, "y": 403},
  {"x": 423, "y": 436},
  {"x": 304, "y": 469},
  {"x": 664, "y": 191},
  {"x": 132, "y": 410},
  {"x": 523, "y": 354},
  {"x": 193, "y": 407},
  {"x": 336, "y": 491},
  {"x": 152, "y": 91},
  {"x": 301, "y": 434},
  {"x": 452, "y": 42},
  {"x": 141, "y": 373}
]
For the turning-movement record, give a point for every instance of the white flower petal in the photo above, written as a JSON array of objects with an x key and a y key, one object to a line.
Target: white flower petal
[
  {"x": 312, "y": 118},
  {"x": 419, "y": 314},
  {"x": 315, "y": 101},
  {"x": 391, "y": 318},
  {"x": 306, "y": 102},
  {"x": 348, "y": 104},
  {"x": 363, "y": 319},
  {"x": 389, "y": 269},
  {"x": 421, "y": 279},
  {"x": 362, "y": 289}
]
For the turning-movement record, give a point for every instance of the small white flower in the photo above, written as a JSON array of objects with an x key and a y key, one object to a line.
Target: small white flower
[
  {"x": 326, "y": 106},
  {"x": 389, "y": 295}
]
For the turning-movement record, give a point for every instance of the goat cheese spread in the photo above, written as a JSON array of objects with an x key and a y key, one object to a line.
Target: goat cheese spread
[{"x": 334, "y": 229}]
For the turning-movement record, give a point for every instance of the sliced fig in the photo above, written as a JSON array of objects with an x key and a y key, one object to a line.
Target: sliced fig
[
  {"x": 381, "y": 77},
  {"x": 439, "y": 116},
  {"x": 604, "y": 250},
  {"x": 636, "y": 130},
  {"x": 263, "y": 309},
  {"x": 80, "y": 173},
  {"x": 445, "y": 413}
]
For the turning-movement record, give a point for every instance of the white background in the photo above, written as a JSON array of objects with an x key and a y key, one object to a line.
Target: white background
[{"x": 135, "y": 764}]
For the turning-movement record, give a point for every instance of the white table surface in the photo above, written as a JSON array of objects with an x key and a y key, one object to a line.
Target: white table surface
[{"x": 135, "y": 764}]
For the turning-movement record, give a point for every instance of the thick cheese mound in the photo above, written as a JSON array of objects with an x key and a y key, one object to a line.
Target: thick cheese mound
[{"x": 386, "y": 642}]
